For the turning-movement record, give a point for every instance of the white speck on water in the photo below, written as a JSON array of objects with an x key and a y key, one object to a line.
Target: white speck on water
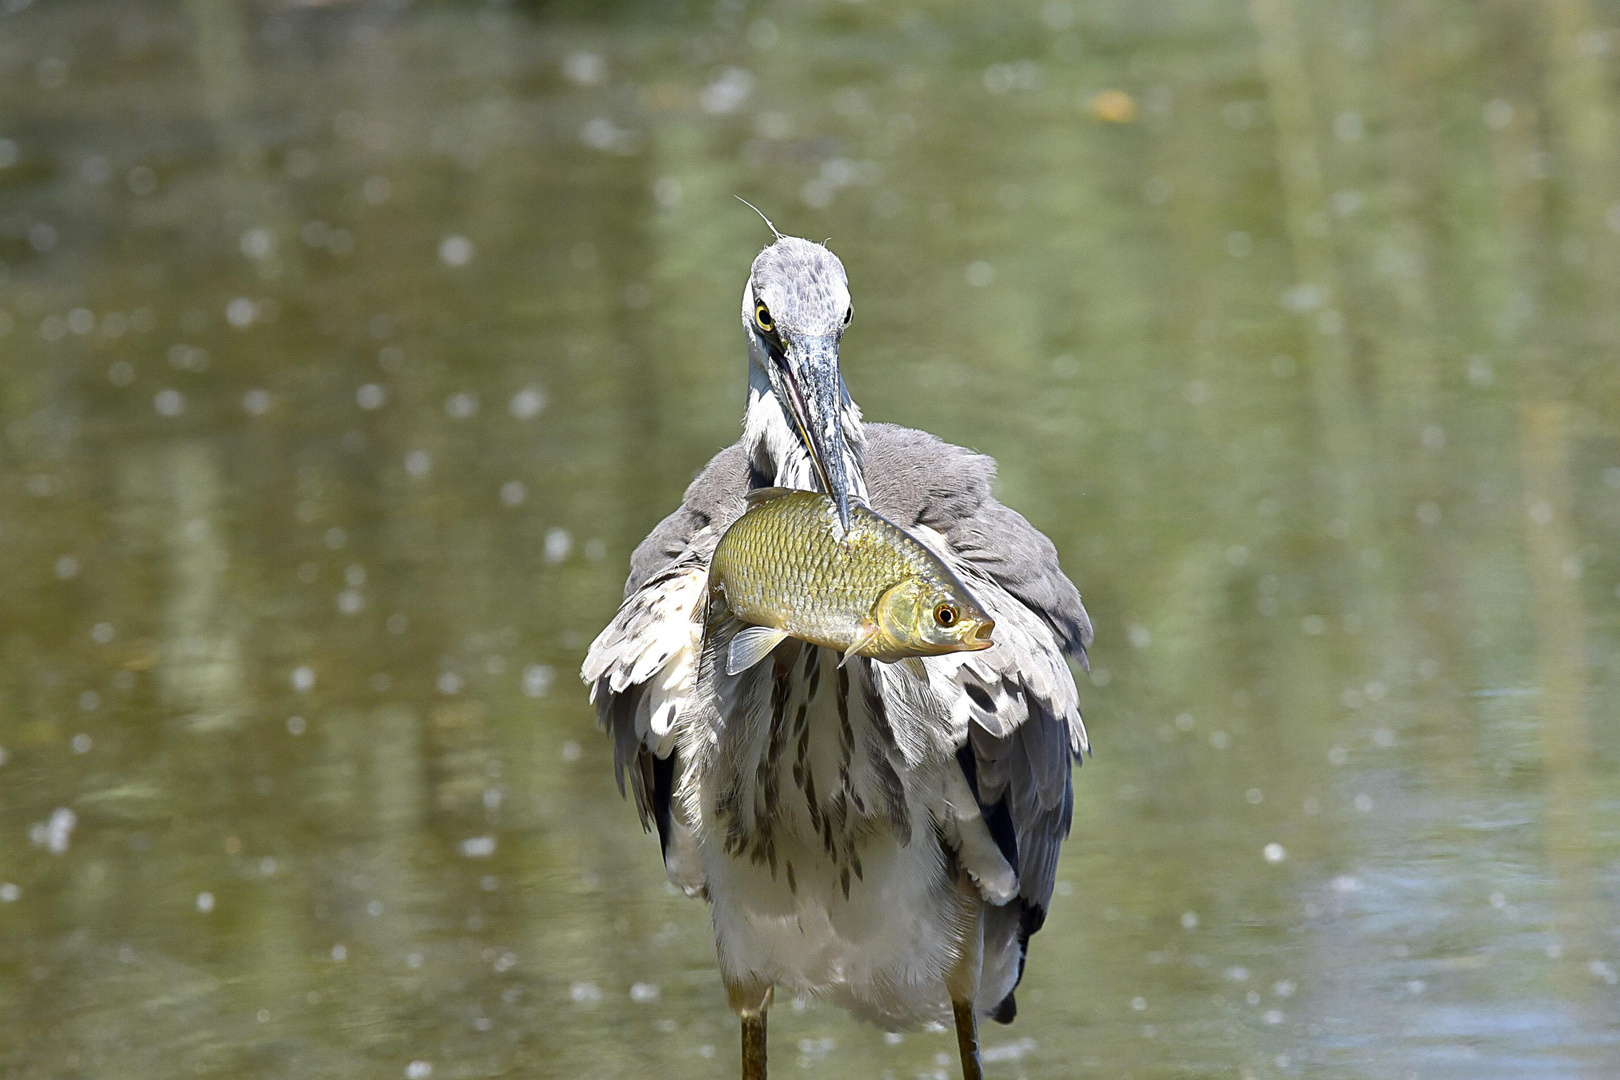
[
  {"x": 1313, "y": 625},
  {"x": 558, "y": 545},
  {"x": 980, "y": 274},
  {"x": 296, "y": 725},
  {"x": 893, "y": 1038},
  {"x": 585, "y": 993},
  {"x": 571, "y": 751},
  {"x": 1284, "y": 988},
  {"x": 513, "y": 493},
  {"x": 537, "y": 679},
  {"x": 413, "y": 960},
  {"x": 256, "y": 402},
  {"x": 1237, "y": 974},
  {"x": 478, "y": 847},
  {"x": 489, "y": 883},
  {"x": 121, "y": 373},
  {"x": 727, "y": 93},
  {"x": 1140, "y": 637},
  {"x": 258, "y": 243},
  {"x": 205, "y": 902},
  {"x": 9, "y": 892},
  {"x": 1185, "y": 721},
  {"x": 371, "y": 396},
  {"x": 1542, "y": 513},
  {"x": 527, "y": 403},
  {"x": 1338, "y": 755},
  {"x": 1275, "y": 852},
  {"x": 1219, "y": 740},
  {"x": 335, "y": 537},
  {"x": 585, "y": 68},
  {"x": 643, "y": 993},
  {"x": 1602, "y": 969},
  {"x": 240, "y": 312},
  {"x": 351, "y": 601},
  {"x": 1007, "y": 1051},
  {"x": 449, "y": 683},
  {"x": 1254, "y": 796},
  {"x": 1383, "y": 738},
  {"x": 303, "y": 678},
  {"x": 1239, "y": 244},
  {"x": 354, "y": 574},
  {"x": 67, "y": 567},
  {"x": 82, "y": 743},
  {"x": 1344, "y": 883},
  {"x": 55, "y": 834},
  {"x": 1273, "y": 1016},
  {"x": 462, "y": 405},
  {"x": 169, "y": 402},
  {"x": 456, "y": 251},
  {"x": 1364, "y": 802},
  {"x": 418, "y": 1070},
  {"x": 1498, "y": 901},
  {"x": 418, "y": 463},
  {"x": 267, "y": 867},
  {"x": 340, "y": 953},
  {"x": 1189, "y": 920},
  {"x": 1139, "y": 1004},
  {"x": 374, "y": 908}
]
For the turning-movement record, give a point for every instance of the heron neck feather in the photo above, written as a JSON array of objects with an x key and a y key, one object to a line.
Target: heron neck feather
[{"x": 774, "y": 446}]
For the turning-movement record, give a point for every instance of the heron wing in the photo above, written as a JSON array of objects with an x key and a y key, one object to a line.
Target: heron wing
[
  {"x": 642, "y": 669},
  {"x": 1014, "y": 708}
]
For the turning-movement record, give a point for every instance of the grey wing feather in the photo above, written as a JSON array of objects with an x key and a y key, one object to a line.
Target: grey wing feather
[
  {"x": 1016, "y": 706},
  {"x": 642, "y": 668},
  {"x": 918, "y": 479}
]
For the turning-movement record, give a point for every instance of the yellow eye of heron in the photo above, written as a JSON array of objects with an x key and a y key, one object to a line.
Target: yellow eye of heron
[
  {"x": 946, "y": 615},
  {"x": 762, "y": 318}
]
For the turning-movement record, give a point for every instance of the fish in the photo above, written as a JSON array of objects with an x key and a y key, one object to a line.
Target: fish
[{"x": 783, "y": 569}]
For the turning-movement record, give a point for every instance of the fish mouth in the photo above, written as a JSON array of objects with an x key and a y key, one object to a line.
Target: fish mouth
[{"x": 981, "y": 637}]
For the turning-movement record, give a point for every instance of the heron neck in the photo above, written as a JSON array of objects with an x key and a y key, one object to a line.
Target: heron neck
[{"x": 775, "y": 450}]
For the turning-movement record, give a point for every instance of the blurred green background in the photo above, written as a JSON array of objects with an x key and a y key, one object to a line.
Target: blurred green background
[{"x": 347, "y": 349}]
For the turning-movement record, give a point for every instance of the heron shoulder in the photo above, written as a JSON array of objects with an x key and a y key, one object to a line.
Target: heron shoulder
[{"x": 913, "y": 478}]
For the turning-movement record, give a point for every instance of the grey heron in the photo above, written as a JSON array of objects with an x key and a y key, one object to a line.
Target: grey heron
[{"x": 881, "y": 836}]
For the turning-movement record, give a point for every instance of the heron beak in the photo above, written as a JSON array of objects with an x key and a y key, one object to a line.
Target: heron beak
[{"x": 816, "y": 399}]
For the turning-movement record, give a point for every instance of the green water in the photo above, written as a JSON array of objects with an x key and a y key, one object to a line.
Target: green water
[{"x": 349, "y": 348}]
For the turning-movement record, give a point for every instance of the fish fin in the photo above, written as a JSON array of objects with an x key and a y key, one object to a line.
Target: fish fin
[
  {"x": 915, "y": 666},
  {"x": 750, "y": 646},
  {"x": 863, "y": 634},
  {"x": 764, "y": 495}
]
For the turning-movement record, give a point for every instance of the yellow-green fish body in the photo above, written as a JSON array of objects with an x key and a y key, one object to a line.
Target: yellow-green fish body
[{"x": 876, "y": 592}]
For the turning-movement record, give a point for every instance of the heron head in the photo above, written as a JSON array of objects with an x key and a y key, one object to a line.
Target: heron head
[{"x": 795, "y": 308}]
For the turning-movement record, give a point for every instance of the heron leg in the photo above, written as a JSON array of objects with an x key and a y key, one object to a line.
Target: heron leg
[
  {"x": 750, "y": 1001},
  {"x": 963, "y": 979}
]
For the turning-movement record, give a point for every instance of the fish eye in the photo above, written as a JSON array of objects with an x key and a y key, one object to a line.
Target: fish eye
[
  {"x": 762, "y": 319},
  {"x": 946, "y": 615}
]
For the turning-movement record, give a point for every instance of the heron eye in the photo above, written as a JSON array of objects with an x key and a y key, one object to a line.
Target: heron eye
[
  {"x": 849, "y": 313},
  {"x": 946, "y": 615},
  {"x": 762, "y": 319}
]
